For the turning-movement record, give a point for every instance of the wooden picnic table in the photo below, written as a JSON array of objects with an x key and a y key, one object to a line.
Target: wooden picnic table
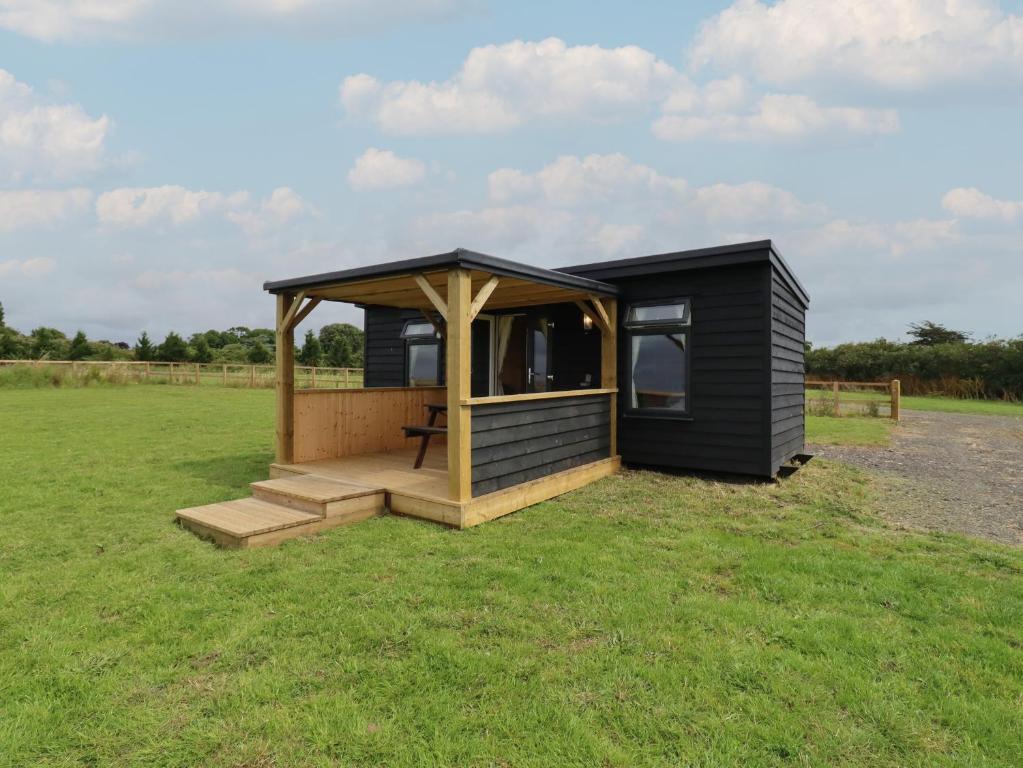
[{"x": 428, "y": 431}]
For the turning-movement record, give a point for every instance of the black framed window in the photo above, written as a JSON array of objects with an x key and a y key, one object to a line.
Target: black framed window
[
  {"x": 422, "y": 354},
  {"x": 658, "y": 357}
]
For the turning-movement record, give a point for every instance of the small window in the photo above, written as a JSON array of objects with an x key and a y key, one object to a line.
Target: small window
[
  {"x": 422, "y": 354},
  {"x": 658, "y": 339},
  {"x": 675, "y": 312},
  {"x": 418, "y": 329}
]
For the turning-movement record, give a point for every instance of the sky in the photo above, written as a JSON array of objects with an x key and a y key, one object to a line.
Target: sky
[{"x": 161, "y": 159}]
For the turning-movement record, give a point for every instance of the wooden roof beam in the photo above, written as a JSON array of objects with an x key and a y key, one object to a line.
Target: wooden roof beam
[
  {"x": 598, "y": 305},
  {"x": 432, "y": 295},
  {"x": 303, "y": 313},
  {"x": 287, "y": 322},
  {"x": 482, "y": 296}
]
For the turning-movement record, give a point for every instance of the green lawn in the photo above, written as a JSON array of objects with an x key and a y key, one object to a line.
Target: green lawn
[
  {"x": 646, "y": 620},
  {"x": 928, "y": 403},
  {"x": 952, "y": 405},
  {"x": 848, "y": 430}
]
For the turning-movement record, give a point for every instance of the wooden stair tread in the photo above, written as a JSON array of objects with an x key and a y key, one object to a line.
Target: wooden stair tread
[
  {"x": 246, "y": 517},
  {"x": 316, "y": 488}
]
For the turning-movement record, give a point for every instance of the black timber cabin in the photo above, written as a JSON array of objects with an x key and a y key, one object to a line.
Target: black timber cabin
[{"x": 710, "y": 361}]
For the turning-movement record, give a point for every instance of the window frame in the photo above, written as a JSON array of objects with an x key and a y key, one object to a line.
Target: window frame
[
  {"x": 419, "y": 340},
  {"x": 684, "y": 328}
]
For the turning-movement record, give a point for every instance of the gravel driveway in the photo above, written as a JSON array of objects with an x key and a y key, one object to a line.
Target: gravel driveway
[{"x": 949, "y": 472}]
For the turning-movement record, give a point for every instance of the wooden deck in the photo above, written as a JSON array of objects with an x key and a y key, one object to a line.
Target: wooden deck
[
  {"x": 310, "y": 497},
  {"x": 425, "y": 492},
  {"x": 390, "y": 470}
]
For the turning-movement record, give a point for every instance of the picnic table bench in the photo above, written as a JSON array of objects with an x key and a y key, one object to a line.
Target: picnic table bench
[{"x": 427, "y": 431}]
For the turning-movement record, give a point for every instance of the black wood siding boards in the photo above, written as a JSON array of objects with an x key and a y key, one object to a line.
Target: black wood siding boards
[
  {"x": 788, "y": 332},
  {"x": 384, "y": 353},
  {"x": 516, "y": 442},
  {"x": 730, "y": 376}
]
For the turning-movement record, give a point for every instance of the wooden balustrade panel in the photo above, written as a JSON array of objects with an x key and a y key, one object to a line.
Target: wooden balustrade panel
[{"x": 345, "y": 422}]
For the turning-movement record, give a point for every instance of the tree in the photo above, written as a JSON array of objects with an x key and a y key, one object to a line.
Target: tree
[
  {"x": 173, "y": 349},
  {"x": 258, "y": 353},
  {"x": 311, "y": 352},
  {"x": 928, "y": 334},
  {"x": 342, "y": 345},
  {"x": 201, "y": 352},
  {"x": 144, "y": 348},
  {"x": 80, "y": 347},
  {"x": 2, "y": 316},
  {"x": 48, "y": 343}
]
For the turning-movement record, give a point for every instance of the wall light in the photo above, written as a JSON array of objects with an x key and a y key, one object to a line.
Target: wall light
[{"x": 587, "y": 323}]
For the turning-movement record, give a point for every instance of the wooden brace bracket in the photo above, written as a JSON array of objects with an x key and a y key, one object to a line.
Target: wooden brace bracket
[
  {"x": 481, "y": 297},
  {"x": 432, "y": 295}
]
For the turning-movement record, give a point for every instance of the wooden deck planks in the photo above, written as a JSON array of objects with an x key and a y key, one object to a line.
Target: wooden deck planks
[{"x": 246, "y": 517}]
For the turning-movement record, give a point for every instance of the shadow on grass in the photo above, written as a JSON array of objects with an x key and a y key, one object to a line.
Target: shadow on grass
[
  {"x": 716, "y": 477},
  {"x": 235, "y": 471}
]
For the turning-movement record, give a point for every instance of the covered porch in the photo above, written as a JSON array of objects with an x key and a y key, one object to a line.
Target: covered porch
[{"x": 495, "y": 453}]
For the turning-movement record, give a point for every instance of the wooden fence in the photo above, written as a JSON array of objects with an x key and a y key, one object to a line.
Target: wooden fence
[
  {"x": 854, "y": 398},
  {"x": 224, "y": 374}
]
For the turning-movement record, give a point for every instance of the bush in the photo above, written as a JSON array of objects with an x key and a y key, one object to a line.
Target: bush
[{"x": 990, "y": 369}]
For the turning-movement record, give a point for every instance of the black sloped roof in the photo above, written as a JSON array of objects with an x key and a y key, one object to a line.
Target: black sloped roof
[{"x": 699, "y": 258}]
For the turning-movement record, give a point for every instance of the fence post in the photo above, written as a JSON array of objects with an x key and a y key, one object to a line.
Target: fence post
[
  {"x": 834, "y": 386},
  {"x": 347, "y": 372},
  {"x": 312, "y": 376},
  {"x": 896, "y": 399},
  {"x": 225, "y": 374},
  {"x": 252, "y": 376}
]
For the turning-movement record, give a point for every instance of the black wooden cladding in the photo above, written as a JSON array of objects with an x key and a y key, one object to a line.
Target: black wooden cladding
[
  {"x": 384, "y": 351},
  {"x": 516, "y": 442},
  {"x": 729, "y": 371},
  {"x": 788, "y": 333}
]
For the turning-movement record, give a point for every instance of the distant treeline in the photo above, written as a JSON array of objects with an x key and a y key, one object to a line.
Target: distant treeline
[
  {"x": 934, "y": 363},
  {"x": 338, "y": 345}
]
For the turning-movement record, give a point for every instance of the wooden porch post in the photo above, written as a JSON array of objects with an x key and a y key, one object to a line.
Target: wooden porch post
[
  {"x": 459, "y": 307},
  {"x": 285, "y": 380},
  {"x": 609, "y": 364}
]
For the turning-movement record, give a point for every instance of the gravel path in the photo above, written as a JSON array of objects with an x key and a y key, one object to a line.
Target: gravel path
[{"x": 949, "y": 472}]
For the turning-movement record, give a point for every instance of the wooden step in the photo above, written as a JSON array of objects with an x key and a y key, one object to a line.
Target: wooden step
[
  {"x": 321, "y": 496},
  {"x": 233, "y": 523},
  {"x": 254, "y": 522}
]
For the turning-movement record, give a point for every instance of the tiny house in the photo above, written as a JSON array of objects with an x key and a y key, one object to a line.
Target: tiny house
[{"x": 491, "y": 385}]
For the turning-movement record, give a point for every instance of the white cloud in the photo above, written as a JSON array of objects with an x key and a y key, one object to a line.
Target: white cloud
[
  {"x": 382, "y": 169},
  {"x": 615, "y": 182},
  {"x": 39, "y": 139},
  {"x": 775, "y": 116},
  {"x": 501, "y": 86},
  {"x": 28, "y": 268},
  {"x": 572, "y": 180},
  {"x": 284, "y": 205},
  {"x": 898, "y": 44},
  {"x": 753, "y": 201},
  {"x": 30, "y": 208},
  {"x": 971, "y": 203},
  {"x": 51, "y": 20},
  {"x": 141, "y": 206}
]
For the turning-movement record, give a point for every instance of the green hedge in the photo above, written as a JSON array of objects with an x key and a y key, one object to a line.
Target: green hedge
[{"x": 990, "y": 369}]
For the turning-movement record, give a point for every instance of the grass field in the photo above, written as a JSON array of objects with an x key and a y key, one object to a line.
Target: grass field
[
  {"x": 647, "y": 619},
  {"x": 928, "y": 403},
  {"x": 848, "y": 430}
]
